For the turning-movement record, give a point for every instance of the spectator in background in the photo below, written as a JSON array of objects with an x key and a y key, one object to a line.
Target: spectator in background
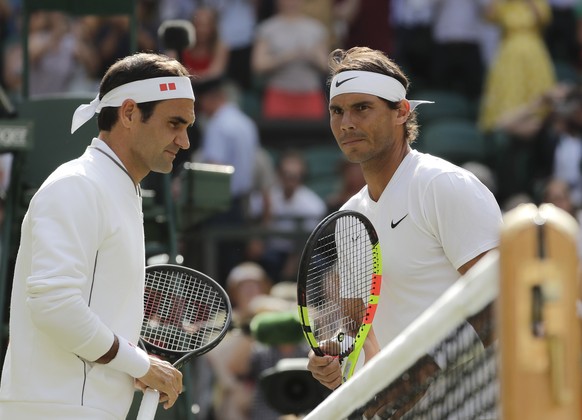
[
  {"x": 290, "y": 53},
  {"x": 86, "y": 79},
  {"x": 228, "y": 137},
  {"x": 522, "y": 69},
  {"x": 457, "y": 62},
  {"x": 534, "y": 131},
  {"x": 567, "y": 156},
  {"x": 246, "y": 281},
  {"x": 352, "y": 180},
  {"x": 112, "y": 40},
  {"x": 413, "y": 42},
  {"x": 365, "y": 22},
  {"x": 57, "y": 57},
  {"x": 294, "y": 207},
  {"x": 264, "y": 179},
  {"x": 238, "y": 21},
  {"x": 532, "y": 118},
  {"x": 208, "y": 57}
]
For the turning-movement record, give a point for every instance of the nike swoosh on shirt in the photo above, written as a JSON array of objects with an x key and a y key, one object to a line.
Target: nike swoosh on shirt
[
  {"x": 393, "y": 225},
  {"x": 338, "y": 83}
]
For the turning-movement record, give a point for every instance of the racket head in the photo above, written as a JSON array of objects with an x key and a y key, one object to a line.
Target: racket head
[
  {"x": 186, "y": 313},
  {"x": 338, "y": 284}
]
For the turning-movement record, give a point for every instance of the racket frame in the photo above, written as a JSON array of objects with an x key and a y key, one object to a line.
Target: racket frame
[
  {"x": 348, "y": 363},
  {"x": 179, "y": 358}
]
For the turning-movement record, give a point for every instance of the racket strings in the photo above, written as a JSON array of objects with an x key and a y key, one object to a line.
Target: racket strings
[
  {"x": 181, "y": 312},
  {"x": 339, "y": 283}
]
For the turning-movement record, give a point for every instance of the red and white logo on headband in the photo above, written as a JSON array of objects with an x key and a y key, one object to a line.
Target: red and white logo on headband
[{"x": 167, "y": 86}]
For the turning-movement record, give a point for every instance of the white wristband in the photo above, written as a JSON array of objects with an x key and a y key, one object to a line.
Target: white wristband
[{"x": 130, "y": 359}]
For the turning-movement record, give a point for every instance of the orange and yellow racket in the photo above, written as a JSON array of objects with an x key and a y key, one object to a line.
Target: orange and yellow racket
[{"x": 338, "y": 286}]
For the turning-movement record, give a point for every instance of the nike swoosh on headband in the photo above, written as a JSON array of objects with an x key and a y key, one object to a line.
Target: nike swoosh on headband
[{"x": 338, "y": 83}]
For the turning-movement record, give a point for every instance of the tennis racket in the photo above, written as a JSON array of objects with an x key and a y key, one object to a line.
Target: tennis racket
[
  {"x": 338, "y": 286},
  {"x": 186, "y": 314}
]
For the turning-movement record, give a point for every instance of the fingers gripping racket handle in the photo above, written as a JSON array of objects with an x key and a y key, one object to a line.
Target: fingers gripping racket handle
[{"x": 149, "y": 405}]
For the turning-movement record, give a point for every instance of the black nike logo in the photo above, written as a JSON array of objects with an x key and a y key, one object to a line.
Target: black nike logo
[
  {"x": 393, "y": 225},
  {"x": 338, "y": 83}
]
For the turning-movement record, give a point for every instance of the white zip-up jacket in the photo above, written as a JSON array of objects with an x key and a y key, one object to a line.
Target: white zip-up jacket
[{"x": 78, "y": 280}]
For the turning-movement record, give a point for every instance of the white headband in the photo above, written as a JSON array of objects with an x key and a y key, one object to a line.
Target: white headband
[
  {"x": 372, "y": 84},
  {"x": 147, "y": 90}
]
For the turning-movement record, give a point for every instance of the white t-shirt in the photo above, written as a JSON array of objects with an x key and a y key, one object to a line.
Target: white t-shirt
[{"x": 432, "y": 218}]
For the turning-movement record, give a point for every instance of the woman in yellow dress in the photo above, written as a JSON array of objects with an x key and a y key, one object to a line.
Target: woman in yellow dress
[{"x": 522, "y": 69}]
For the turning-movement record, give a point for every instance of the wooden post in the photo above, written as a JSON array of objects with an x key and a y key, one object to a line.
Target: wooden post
[{"x": 540, "y": 358}]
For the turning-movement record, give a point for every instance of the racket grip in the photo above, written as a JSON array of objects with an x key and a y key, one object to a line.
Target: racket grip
[{"x": 149, "y": 405}]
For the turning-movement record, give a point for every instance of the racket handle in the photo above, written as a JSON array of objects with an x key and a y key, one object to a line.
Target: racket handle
[{"x": 149, "y": 405}]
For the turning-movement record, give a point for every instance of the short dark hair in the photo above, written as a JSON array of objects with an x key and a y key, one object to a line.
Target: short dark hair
[
  {"x": 139, "y": 66},
  {"x": 367, "y": 59}
]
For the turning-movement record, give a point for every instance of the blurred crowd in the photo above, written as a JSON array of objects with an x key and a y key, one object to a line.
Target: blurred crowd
[{"x": 518, "y": 62}]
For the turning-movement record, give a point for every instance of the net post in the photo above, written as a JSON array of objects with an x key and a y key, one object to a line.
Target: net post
[{"x": 540, "y": 375}]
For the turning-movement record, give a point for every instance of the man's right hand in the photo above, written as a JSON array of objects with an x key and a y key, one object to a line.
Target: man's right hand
[
  {"x": 326, "y": 369},
  {"x": 163, "y": 377}
]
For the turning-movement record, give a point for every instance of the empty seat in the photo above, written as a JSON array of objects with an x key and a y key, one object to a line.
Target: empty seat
[
  {"x": 323, "y": 163},
  {"x": 447, "y": 105},
  {"x": 457, "y": 141}
]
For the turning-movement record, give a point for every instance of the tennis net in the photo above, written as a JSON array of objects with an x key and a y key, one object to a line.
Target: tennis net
[{"x": 443, "y": 366}]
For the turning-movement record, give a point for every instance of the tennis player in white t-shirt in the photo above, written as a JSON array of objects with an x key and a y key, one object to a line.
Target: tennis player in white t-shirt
[{"x": 434, "y": 219}]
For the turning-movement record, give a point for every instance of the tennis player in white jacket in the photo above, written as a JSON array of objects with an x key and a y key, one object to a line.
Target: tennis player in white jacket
[{"x": 77, "y": 300}]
